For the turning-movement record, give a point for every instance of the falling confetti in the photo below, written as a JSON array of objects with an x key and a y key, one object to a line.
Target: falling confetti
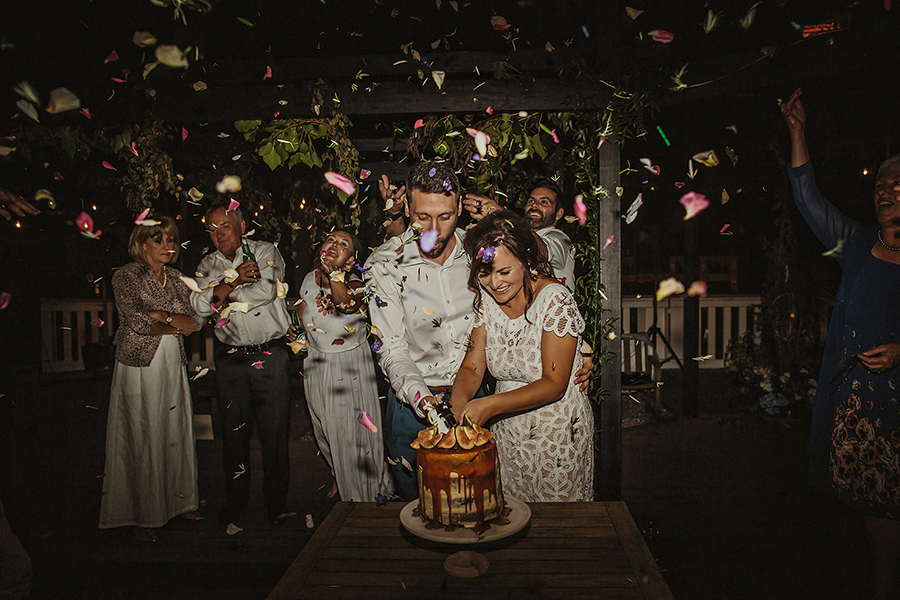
[
  {"x": 428, "y": 240},
  {"x": 340, "y": 182},
  {"x": 698, "y": 288},
  {"x": 367, "y": 422},
  {"x": 258, "y": 365},
  {"x": 229, "y": 185},
  {"x": 581, "y": 210},
  {"x": 662, "y": 36},
  {"x": 667, "y": 287},
  {"x": 693, "y": 204}
]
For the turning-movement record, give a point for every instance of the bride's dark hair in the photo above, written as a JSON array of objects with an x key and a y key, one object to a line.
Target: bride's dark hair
[{"x": 513, "y": 232}]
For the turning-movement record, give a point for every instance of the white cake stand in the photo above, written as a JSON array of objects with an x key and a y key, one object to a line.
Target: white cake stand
[{"x": 520, "y": 514}]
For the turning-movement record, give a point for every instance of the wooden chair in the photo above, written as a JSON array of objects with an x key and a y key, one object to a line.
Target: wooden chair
[{"x": 641, "y": 369}]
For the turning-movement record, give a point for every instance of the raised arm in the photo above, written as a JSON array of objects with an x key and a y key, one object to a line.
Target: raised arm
[{"x": 795, "y": 117}]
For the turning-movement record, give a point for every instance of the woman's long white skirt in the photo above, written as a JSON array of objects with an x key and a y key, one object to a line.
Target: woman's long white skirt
[
  {"x": 339, "y": 386},
  {"x": 151, "y": 461}
]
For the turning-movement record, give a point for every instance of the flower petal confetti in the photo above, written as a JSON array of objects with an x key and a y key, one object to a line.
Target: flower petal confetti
[
  {"x": 428, "y": 240},
  {"x": 632, "y": 212},
  {"x": 84, "y": 222},
  {"x": 171, "y": 56},
  {"x": 28, "y": 108},
  {"x": 143, "y": 39},
  {"x": 113, "y": 56},
  {"x": 367, "y": 422},
  {"x": 581, "y": 210},
  {"x": 694, "y": 204},
  {"x": 201, "y": 372},
  {"x": 406, "y": 464},
  {"x": 633, "y": 12},
  {"x": 258, "y": 364},
  {"x": 28, "y": 92},
  {"x": 229, "y": 185},
  {"x": 707, "y": 159},
  {"x": 230, "y": 275},
  {"x": 5, "y": 297},
  {"x": 98, "y": 322},
  {"x": 648, "y": 164},
  {"x": 106, "y": 165},
  {"x": 698, "y": 288},
  {"x": 667, "y": 287},
  {"x": 661, "y": 35},
  {"x": 281, "y": 289},
  {"x": 340, "y": 182},
  {"x": 62, "y": 100},
  {"x": 438, "y": 77},
  {"x": 191, "y": 284}
]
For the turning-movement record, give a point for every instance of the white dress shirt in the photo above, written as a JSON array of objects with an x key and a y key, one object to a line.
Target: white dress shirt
[
  {"x": 561, "y": 254},
  {"x": 424, "y": 311},
  {"x": 266, "y": 317}
]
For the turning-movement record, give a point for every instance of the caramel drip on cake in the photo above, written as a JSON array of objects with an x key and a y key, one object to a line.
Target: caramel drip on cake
[{"x": 457, "y": 485}]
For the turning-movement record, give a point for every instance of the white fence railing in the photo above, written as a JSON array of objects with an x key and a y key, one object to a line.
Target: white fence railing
[
  {"x": 722, "y": 318},
  {"x": 66, "y": 327}
]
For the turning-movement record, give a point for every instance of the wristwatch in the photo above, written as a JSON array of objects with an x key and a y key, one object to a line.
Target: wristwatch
[{"x": 168, "y": 318}]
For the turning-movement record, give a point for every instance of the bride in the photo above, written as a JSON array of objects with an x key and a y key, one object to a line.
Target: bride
[{"x": 527, "y": 333}]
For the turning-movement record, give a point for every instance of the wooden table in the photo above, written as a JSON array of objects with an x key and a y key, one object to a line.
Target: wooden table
[{"x": 567, "y": 550}]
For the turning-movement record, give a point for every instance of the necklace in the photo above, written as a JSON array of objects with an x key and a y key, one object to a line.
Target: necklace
[{"x": 892, "y": 248}]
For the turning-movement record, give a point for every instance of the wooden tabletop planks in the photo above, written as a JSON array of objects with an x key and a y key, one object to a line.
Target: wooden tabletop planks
[{"x": 567, "y": 550}]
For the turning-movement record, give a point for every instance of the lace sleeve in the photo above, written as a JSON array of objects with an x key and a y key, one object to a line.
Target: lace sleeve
[{"x": 561, "y": 315}]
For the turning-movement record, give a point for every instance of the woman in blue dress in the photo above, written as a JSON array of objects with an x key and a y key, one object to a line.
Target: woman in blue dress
[{"x": 855, "y": 441}]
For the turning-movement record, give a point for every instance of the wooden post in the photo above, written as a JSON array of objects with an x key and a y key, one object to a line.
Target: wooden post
[{"x": 609, "y": 471}]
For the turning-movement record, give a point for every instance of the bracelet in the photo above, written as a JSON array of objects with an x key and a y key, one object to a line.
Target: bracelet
[
  {"x": 229, "y": 284},
  {"x": 391, "y": 217}
]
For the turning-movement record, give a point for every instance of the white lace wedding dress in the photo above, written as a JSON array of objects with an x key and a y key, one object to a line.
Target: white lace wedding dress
[{"x": 546, "y": 454}]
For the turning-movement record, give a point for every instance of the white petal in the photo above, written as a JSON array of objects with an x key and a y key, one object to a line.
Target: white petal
[
  {"x": 144, "y": 39},
  {"x": 171, "y": 56}
]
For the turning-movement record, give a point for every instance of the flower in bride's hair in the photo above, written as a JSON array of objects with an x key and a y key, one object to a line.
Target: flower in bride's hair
[{"x": 486, "y": 254}]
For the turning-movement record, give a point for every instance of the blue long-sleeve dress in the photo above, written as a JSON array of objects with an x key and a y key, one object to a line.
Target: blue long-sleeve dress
[{"x": 855, "y": 442}]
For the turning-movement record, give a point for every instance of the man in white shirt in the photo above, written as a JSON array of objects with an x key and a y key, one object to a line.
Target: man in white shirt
[
  {"x": 251, "y": 359},
  {"x": 544, "y": 209},
  {"x": 423, "y": 308}
]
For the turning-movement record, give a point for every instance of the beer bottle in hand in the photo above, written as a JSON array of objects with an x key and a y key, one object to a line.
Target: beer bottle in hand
[{"x": 247, "y": 253}]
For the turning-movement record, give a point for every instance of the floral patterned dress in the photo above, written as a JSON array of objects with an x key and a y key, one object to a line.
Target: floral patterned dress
[
  {"x": 865, "y": 458},
  {"x": 546, "y": 454}
]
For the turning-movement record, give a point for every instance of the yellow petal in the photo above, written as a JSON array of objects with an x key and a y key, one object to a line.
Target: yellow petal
[
  {"x": 725, "y": 196},
  {"x": 25, "y": 90},
  {"x": 375, "y": 331},
  {"x": 240, "y": 307},
  {"x": 667, "y": 287},
  {"x": 199, "y": 86},
  {"x": 428, "y": 311},
  {"x": 191, "y": 283},
  {"x": 230, "y": 275},
  {"x": 171, "y": 56},
  {"x": 195, "y": 194},
  {"x": 144, "y": 39},
  {"x": 149, "y": 67},
  {"x": 633, "y": 12},
  {"x": 707, "y": 159},
  {"x": 62, "y": 100},
  {"x": 281, "y": 289},
  {"x": 438, "y": 77},
  {"x": 350, "y": 329},
  {"x": 43, "y": 194},
  {"x": 270, "y": 263}
]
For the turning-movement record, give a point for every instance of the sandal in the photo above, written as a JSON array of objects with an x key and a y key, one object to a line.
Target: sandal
[{"x": 144, "y": 534}]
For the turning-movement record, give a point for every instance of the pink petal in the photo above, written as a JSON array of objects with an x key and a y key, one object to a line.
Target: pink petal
[
  {"x": 600, "y": 143},
  {"x": 364, "y": 174},
  {"x": 698, "y": 288},
  {"x": 258, "y": 365},
  {"x": 367, "y": 422},
  {"x": 143, "y": 215},
  {"x": 98, "y": 322},
  {"x": 724, "y": 227},
  {"x": 662, "y": 36},
  {"x": 106, "y": 165},
  {"x": 85, "y": 112},
  {"x": 419, "y": 123},
  {"x": 113, "y": 56},
  {"x": 580, "y": 210},
  {"x": 609, "y": 240},
  {"x": 694, "y": 204},
  {"x": 489, "y": 110},
  {"x": 679, "y": 184},
  {"x": 134, "y": 148},
  {"x": 234, "y": 204},
  {"x": 268, "y": 74},
  {"x": 555, "y": 137},
  {"x": 183, "y": 134},
  {"x": 84, "y": 222},
  {"x": 340, "y": 182},
  {"x": 221, "y": 322},
  {"x": 428, "y": 240},
  {"x": 5, "y": 297}
]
